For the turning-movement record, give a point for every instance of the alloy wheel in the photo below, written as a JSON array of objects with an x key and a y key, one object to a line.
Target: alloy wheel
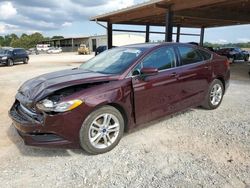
[
  {"x": 104, "y": 131},
  {"x": 216, "y": 94}
]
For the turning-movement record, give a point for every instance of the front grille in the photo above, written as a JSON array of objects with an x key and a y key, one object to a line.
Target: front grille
[{"x": 28, "y": 114}]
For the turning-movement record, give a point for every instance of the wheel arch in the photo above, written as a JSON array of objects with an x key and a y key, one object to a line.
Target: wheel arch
[
  {"x": 223, "y": 81},
  {"x": 118, "y": 107},
  {"x": 121, "y": 109}
]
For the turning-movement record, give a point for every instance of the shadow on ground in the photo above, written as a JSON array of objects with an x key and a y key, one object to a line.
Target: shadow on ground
[
  {"x": 53, "y": 152},
  {"x": 38, "y": 151}
]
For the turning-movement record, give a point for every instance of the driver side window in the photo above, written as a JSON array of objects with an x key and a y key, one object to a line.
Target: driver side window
[{"x": 162, "y": 59}]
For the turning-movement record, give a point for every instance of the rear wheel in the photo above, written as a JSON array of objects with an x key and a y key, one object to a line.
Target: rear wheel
[
  {"x": 214, "y": 96},
  {"x": 246, "y": 58},
  {"x": 10, "y": 62},
  {"x": 102, "y": 130}
]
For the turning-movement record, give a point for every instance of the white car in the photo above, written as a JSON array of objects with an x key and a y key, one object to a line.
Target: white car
[
  {"x": 42, "y": 47},
  {"x": 54, "y": 50}
]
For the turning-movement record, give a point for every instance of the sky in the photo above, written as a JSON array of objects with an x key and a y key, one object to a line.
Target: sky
[{"x": 70, "y": 18}]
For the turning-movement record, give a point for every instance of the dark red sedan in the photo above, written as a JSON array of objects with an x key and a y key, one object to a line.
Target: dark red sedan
[{"x": 90, "y": 107}]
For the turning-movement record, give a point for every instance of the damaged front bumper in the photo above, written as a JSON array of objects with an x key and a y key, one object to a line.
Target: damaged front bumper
[{"x": 59, "y": 130}]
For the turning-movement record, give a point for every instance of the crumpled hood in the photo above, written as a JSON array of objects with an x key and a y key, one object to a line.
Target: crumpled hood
[{"x": 40, "y": 87}]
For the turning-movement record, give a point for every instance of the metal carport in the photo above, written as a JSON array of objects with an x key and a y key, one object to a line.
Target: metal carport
[{"x": 178, "y": 13}]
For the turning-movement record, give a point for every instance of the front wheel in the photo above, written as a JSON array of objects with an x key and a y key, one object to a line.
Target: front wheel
[
  {"x": 102, "y": 130},
  {"x": 214, "y": 96},
  {"x": 10, "y": 62}
]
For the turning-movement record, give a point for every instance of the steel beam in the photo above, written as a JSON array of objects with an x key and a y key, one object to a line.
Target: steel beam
[
  {"x": 110, "y": 35},
  {"x": 169, "y": 25},
  {"x": 202, "y": 36},
  {"x": 178, "y": 33},
  {"x": 147, "y": 33}
]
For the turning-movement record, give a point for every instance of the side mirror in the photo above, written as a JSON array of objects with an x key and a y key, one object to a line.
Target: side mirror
[{"x": 149, "y": 71}]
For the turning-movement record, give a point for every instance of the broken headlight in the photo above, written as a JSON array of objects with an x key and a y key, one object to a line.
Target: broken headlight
[{"x": 50, "y": 106}]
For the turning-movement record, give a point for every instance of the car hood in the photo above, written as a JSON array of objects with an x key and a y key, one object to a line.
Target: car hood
[
  {"x": 3, "y": 55},
  {"x": 40, "y": 87}
]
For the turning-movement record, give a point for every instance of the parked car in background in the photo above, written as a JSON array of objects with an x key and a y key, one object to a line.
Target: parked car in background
[
  {"x": 42, "y": 47},
  {"x": 90, "y": 107},
  {"x": 234, "y": 54},
  {"x": 32, "y": 51},
  {"x": 54, "y": 50},
  {"x": 209, "y": 48},
  {"x": 9, "y": 56},
  {"x": 100, "y": 49},
  {"x": 194, "y": 43},
  {"x": 83, "y": 50}
]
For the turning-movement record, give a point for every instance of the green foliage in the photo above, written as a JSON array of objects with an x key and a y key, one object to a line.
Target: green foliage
[
  {"x": 6, "y": 40},
  {"x": 27, "y": 41},
  {"x": 239, "y": 45},
  {"x": 24, "y": 41}
]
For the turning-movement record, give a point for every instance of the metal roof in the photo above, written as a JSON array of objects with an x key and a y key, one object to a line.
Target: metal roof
[{"x": 187, "y": 13}]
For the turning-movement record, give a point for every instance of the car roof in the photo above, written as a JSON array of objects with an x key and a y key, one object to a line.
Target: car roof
[
  {"x": 147, "y": 46},
  {"x": 11, "y": 49}
]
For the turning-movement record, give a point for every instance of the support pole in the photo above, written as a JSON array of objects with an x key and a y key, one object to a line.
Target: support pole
[
  {"x": 72, "y": 43},
  {"x": 110, "y": 35},
  {"x": 169, "y": 26},
  {"x": 202, "y": 36},
  {"x": 147, "y": 33},
  {"x": 178, "y": 33}
]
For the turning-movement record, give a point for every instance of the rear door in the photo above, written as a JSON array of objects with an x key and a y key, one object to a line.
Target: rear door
[
  {"x": 156, "y": 95},
  {"x": 16, "y": 55},
  {"x": 23, "y": 54},
  {"x": 195, "y": 74}
]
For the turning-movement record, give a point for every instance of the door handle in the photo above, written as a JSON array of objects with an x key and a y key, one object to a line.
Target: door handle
[{"x": 174, "y": 75}]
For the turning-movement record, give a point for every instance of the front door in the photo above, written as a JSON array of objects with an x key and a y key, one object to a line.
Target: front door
[{"x": 156, "y": 95}]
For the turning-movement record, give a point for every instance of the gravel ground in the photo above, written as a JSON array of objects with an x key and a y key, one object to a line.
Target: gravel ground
[{"x": 195, "y": 148}]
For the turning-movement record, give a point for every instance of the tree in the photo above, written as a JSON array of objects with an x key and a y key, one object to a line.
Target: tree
[
  {"x": 24, "y": 35},
  {"x": 27, "y": 41},
  {"x": 13, "y": 36}
]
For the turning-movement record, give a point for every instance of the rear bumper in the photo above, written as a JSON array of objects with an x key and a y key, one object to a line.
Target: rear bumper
[{"x": 57, "y": 131}]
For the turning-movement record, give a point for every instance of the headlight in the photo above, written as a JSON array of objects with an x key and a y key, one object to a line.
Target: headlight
[
  {"x": 4, "y": 58},
  {"x": 50, "y": 106}
]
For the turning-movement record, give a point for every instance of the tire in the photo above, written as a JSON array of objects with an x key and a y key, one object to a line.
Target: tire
[
  {"x": 246, "y": 59},
  {"x": 26, "y": 60},
  {"x": 213, "y": 103},
  {"x": 98, "y": 132},
  {"x": 10, "y": 62}
]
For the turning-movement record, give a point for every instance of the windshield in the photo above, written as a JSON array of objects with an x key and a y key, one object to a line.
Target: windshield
[
  {"x": 4, "y": 52},
  {"x": 113, "y": 61}
]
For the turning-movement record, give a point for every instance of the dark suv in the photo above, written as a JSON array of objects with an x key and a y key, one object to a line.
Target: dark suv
[
  {"x": 234, "y": 54},
  {"x": 9, "y": 56},
  {"x": 100, "y": 49}
]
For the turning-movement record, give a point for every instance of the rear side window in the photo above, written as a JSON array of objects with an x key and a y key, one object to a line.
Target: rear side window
[
  {"x": 189, "y": 55},
  {"x": 163, "y": 58},
  {"x": 206, "y": 56},
  {"x": 19, "y": 51}
]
